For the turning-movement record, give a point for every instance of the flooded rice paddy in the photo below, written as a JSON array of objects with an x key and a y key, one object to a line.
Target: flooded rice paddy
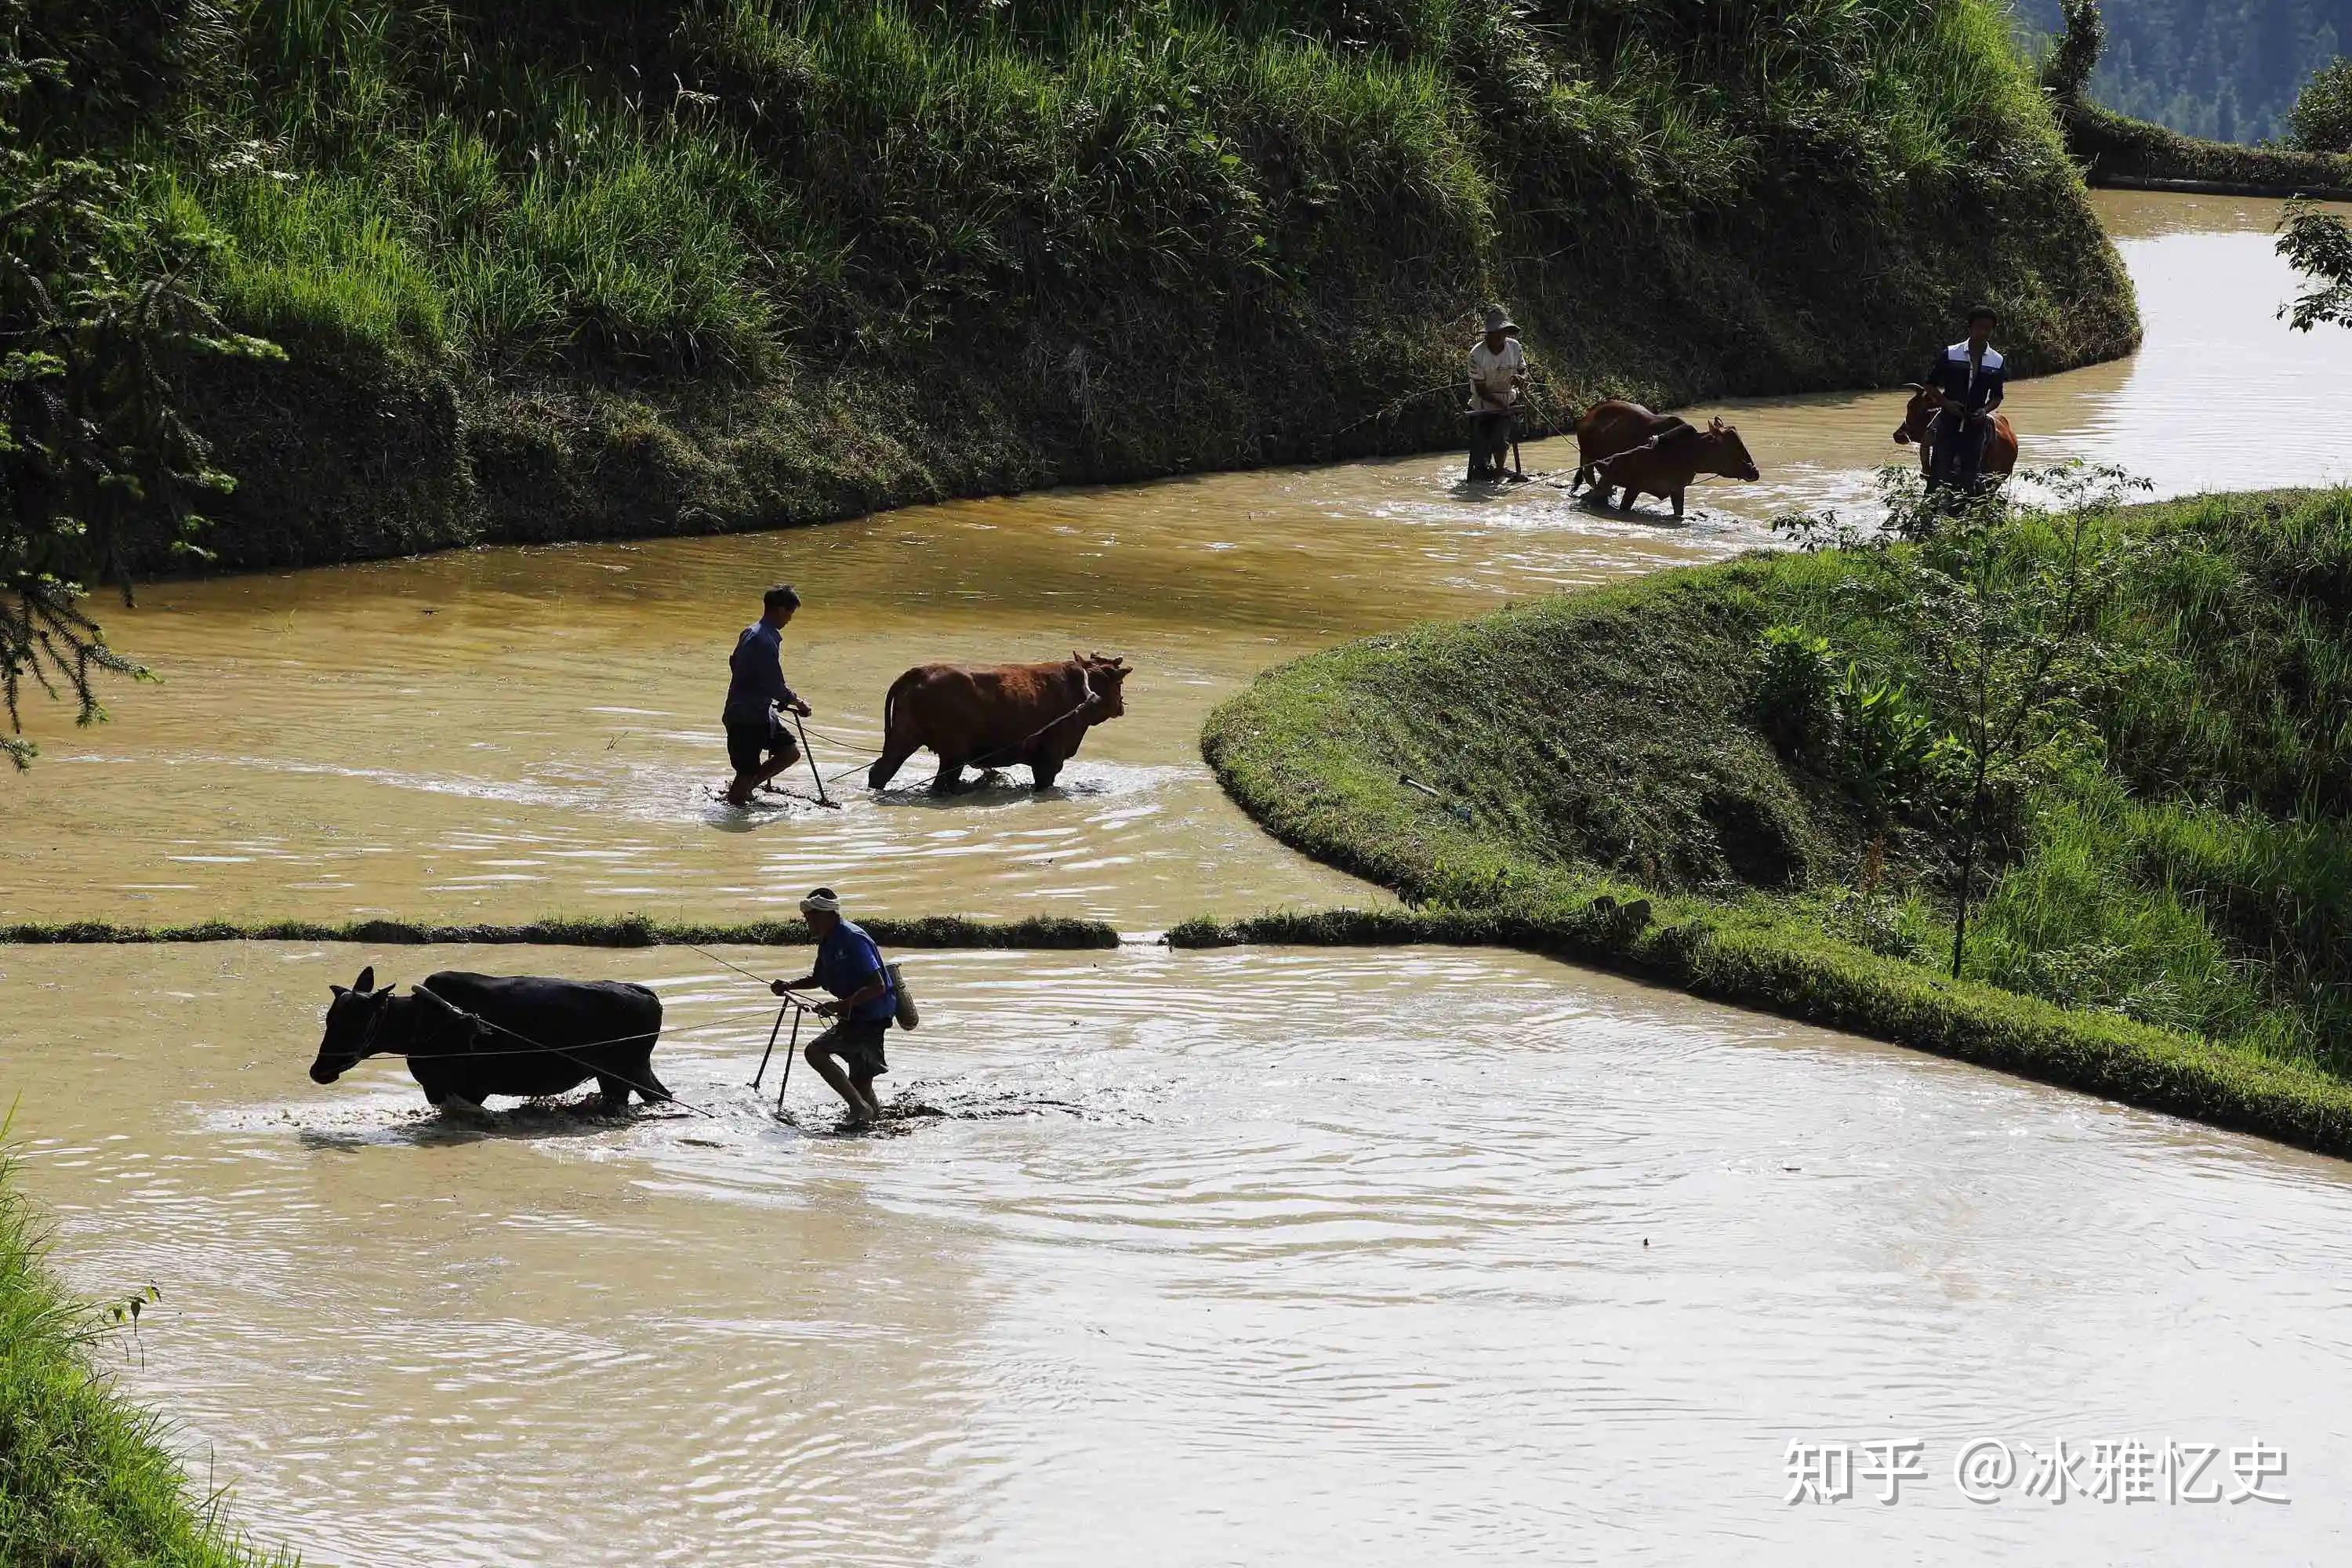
[
  {"x": 503, "y": 733},
  {"x": 1357, "y": 1257},
  {"x": 1360, "y": 1258}
]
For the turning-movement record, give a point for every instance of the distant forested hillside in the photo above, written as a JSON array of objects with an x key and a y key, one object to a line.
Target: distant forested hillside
[{"x": 2227, "y": 70}]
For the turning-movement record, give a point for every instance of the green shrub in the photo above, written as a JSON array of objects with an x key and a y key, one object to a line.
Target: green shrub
[
  {"x": 2321, "y": 119},
  {"x": 2083, "y": 36},
  {"x": 1796, "y": 697},
  {"x": 1889, "y": 746}
]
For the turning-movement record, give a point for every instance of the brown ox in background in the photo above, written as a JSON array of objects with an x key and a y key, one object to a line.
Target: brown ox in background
[
  {"x": 1926, "y": 402},
  {"x": 994, "y": 716},
  {"x": 1622, "y": 444}
]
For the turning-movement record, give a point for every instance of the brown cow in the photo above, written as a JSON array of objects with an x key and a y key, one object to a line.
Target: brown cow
[
  {"x": 994, "y": 716},
  {"x": 1654, "y": 454},
  {"x": 2001, "y": 441},
  {"x": 1612, "y": 425}
]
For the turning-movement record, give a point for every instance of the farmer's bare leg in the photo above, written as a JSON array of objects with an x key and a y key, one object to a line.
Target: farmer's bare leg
[
  {"x": 774, "y": 765},
  {"x": 828, "y": 1067},
  {"x": 863, "y": 1082}
]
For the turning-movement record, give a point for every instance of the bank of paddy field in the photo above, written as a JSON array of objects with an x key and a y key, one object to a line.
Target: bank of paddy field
[
  {"x": 555, "y": 272},
  {"x": 1615, "y": 782},
  {"x": 85, "y": 1478},
  {"x": 2114, "y": 150}
]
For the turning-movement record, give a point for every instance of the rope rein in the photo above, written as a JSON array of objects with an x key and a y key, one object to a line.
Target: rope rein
[{"x": 542, "y": 1047}]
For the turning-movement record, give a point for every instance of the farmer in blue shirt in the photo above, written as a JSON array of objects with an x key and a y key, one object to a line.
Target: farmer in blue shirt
[
  {"x": 849, "y": 967},
  {"x": 757, "y": 744},
  {"x": 1971, "y": 378}
]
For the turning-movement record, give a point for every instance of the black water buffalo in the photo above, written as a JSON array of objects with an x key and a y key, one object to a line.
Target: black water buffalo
[{"x": 469, "y": 1037}]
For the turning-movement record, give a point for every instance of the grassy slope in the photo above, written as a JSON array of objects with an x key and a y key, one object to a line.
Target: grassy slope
[
  {"x": 2113, "y": 148},
  {"x": 84, "y": 1479},
  {"x": 554, "y": 270},
  {"x": 2187, "y": 897}
]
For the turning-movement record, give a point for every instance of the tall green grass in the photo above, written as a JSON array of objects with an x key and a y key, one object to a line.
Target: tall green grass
[
  {"x": 85, "y": 1479},
  {"x": 678, "y": 187},
  {"x": 568, "y": 270}
]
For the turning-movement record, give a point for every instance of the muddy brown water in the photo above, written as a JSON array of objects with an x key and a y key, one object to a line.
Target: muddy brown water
[
  {"x": 1190, "y": 1257},
  {"x": 503, "y": 733},
  {"x": 1361, "y": 1258}
]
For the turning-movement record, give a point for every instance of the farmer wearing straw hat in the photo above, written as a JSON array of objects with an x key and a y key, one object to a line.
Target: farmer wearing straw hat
[
  {"x": 848, "y": 966},
  {"x": 1498, "y": 372}
]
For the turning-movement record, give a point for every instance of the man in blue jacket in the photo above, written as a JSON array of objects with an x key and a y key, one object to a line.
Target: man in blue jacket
[
  {"x": 757, "y": 744},
  {"x": 1971, "y": 376},
  {"x": 849, "y": 968}
]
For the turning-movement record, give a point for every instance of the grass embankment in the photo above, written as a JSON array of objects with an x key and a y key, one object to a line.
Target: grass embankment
[
  {"x": 2169, "y": 922},
  {"x": 85, "y": 1479},
  {"x": 2117, "y": 150},
  {"x": 564, "y": 271},
  {"x": 1039, "y": 932}
]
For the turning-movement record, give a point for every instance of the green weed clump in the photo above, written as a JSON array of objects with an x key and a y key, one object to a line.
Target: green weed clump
[
  {"x": 1040, "y": 931},
  {"x": 560, "y": 271},
  {"x": 85, "y": 1478},
  {"x": 2172, "y": 860}
]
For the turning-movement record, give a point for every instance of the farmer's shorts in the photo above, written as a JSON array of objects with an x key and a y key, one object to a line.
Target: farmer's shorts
[
  {"x": 750, "y": 743},
  {"x": 858, "y": 1043}
]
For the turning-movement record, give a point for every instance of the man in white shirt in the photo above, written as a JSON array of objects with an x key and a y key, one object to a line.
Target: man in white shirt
[{"x": 1498, "y": 372}]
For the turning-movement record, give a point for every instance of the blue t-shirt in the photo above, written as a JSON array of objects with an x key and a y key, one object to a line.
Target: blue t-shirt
[
  {"x": 847, "y": 961},
  {"x": 755, "y": 674}
]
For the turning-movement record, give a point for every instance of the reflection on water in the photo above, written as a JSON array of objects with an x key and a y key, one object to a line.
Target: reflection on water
[
  {"x": 503, "y": 733},
  {"x": 1388, "y": 1258}
]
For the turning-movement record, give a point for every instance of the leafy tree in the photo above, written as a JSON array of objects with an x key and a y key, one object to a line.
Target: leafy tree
[
  {"x": 2318, "y": 244},
  {"x": 2003, "y": 610},
  {"x": 99, "y": 463},
  {"x": 1999, "y": 608},
  {"x": 2322, "y": 117},
  {"x": 2068, "y": 69}
]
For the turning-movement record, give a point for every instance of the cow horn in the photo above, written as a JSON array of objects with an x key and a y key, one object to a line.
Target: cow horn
[
  {"x": 1914, "y": 386},
  {"x": 366, "y": 982}
]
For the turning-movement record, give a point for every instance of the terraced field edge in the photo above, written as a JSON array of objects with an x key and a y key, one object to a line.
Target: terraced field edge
[
  {"x": 938, "y": 932},
  {"x": 86, "y": 1478},
  {"x": 1591, "y": 775}
]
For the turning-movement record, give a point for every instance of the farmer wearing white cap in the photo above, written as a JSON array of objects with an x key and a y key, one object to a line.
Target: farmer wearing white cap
[
  {"x": 849, "y": 967},
  {"x": 1498, "y": 372}
]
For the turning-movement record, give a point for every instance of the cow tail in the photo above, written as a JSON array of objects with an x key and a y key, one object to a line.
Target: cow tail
[{"x": 891, "y": 759}]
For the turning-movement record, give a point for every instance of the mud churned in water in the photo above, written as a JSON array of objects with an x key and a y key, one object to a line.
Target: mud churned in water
[{"x": 1385, "y": 1257}]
